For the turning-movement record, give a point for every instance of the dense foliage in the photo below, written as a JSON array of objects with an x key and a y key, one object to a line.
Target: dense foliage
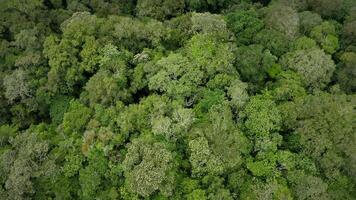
[{"x": 178, "y": 99}]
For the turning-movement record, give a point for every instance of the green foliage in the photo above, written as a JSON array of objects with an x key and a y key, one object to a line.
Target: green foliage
[
  {"x": 75, "y": 119},
  {"x": 256, "y": 189},
  {"x": 186, "y": 99},
  {"x": 327, "y": 8},
  {"x": 308, "y": 187},
  {"x": 273, "y": 40},
  {"x": 26, "y": 163},
  {"x": 304, "y": 43},
  {"x": 90, "y": 176},
  {"x": 212, "y": 5},
  {"x": 59, "y": 106},
  {"x": 299, "y": 5},
  {"x": 176, "y": 77},
  {"x": 313, "y": 65},
  {"x": 253, "y": 62},
  {"x": 262, "y": 116},
  {"x": 159, "y": 9},
  {"x": 210, "y": 55},
  {"x": 345, "y": 72},
  {"x": 197, "y": 195},
  {"x": 284, "y": 19},
  {"x": 325, "y": 35},
  {"x": 133, "y": 34},
  {"x": 148, "y": 167},
  {"x": 16, "y": 86},
  {"x": 202, "y": 159},
  {"x": 288, "y": 86},
  {"x": 182, "y": 28},
  {"x": 348, "y": 31},
  {"x": 61, "y": 56},
  {"x": 308, "y": 20},
  {"x": 6, "y": 133},
  {"x": 322, "y": 117},
  {"x": 218, "y": 145},
  {"x": 238, "y": 94},
  {"x": 262, "y": 168},
  {"x": 262, "y": 122},
  {"x": 244, "y": 24},
  {"x": 207, "y": 23},
  {"x": 107, "y": 88},
  {"x": 210, "y": 98}
]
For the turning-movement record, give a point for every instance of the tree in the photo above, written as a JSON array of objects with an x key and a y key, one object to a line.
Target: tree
[
  {"x": 348, "y": 30},
  {"x": 32, "y": 13},
  {"x": 197, "y": 195},
  {"x": 271, "y": 189},
  {"x": 308, "y": 20},
  {"x": 134, "y": 34},
  {"x": 136, "y": 118},
  {"x": 345, "y": 73},
  {"x": 304, "y": 43},
  {"x": 217, "y": 145},
  {"x": 210, "y": 55},
  {"x": 202, "y": 159},
  {"x": 253, "y": 62},
  {"x": 182, "y": 75},
  {"x": 58, "y": 107},
  {"x": 76, "y": 117},
  {"x": 106, "y": 88},
  {"x": 288, "y": 86},
  {"x": 185, "y": 99},
  {"x": 79, "y": 25},
  {"x": 149, "y": 167},
  {"x": 176, "y": 77},
  {"x": 91, "y": 176},
  {"x": 215, "y": 188},
  {"x": 17, "y": 86},
  {"x": 29, "y": 41},
  {"x": 313, "y": 65},
  {"x": 262, "y": 121},
  {"x": 206, "y": 23},
  {"x": 74, "y": 54},
  {"x": 284, "y": 19},
  {"x": 173, "y": 126},
  {"x": 308, "y": 187},
  {"x": 113, "y": 77},
  {"x": 6, "y": 134},
  {"x": 61, "y": 56},
  {"x": 323, "y": 130},
  {"x": 245, "y": 24},
  {"x": 159, "y": 9},
  {"x": 90, "y": 55},
  {"x": 299, "y": 5},
  {"x": 182, "y": 28},
  {"x": 25, "y": 165},
  {"x": 273, "y": 40},
  {"x": 325, "y": 34},
  {"x": 237, "y": 91},
  {"x": 327, "y": 8}
]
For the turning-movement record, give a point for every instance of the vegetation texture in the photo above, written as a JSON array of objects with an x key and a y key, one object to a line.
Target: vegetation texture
[{"x": 178, "y": 99}]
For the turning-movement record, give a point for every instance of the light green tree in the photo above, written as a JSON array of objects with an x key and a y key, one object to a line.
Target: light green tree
[
  {"x": 313, "y": 65},
  {"x": 76, "y": 117},
  {"x": 148, "y": 168}
]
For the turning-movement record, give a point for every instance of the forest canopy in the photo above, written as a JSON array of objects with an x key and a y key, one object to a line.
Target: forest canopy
[{"x": 178, "y": 99}]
